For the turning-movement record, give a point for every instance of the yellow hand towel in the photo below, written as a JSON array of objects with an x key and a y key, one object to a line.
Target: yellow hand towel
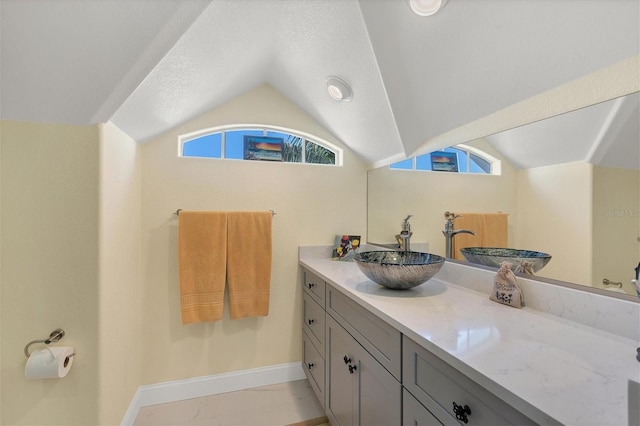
[
  {"x": 202, "y": 254},
  {"x": 490, "y": 231},
  {"x": 494, "y": 230},
  {"x": 249, "y": 263}
]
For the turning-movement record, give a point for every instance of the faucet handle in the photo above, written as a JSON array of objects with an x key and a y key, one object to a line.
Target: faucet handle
[
  {"x": 406, "y": 226},
  {"x": 450, "y": 215}
]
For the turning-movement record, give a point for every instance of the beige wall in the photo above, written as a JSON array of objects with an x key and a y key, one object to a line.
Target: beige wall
[
  {"x": 313, "y": 203},
  {"x": 616, "y": 207},
  {"x": 555, "y": 212},
  {"x": 49, "y": 267},
  {"x": 84, "y": 250},
  {"x": 120, "y": 296},
  {"x": 393, "y": 194}
]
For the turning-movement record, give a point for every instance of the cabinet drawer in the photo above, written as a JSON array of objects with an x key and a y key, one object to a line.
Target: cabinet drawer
[
  {"x": 314, "y": 285},
  {"x": 313, "y": 366},
  {"x": 438, "y": 386},
  {"x": 313, "y": 317},
  {"x": 414, "y": 413},
  {"x": 376, "y": 336}
]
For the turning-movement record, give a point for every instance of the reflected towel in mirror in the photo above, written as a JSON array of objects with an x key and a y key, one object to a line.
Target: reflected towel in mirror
[{"x": 490, "y": 231}]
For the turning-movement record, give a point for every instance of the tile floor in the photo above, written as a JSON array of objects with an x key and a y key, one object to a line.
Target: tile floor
[{"x": 280, "y": 404}]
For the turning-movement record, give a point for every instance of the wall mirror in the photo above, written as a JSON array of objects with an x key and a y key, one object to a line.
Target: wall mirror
[{"x": 570, "y": 185}]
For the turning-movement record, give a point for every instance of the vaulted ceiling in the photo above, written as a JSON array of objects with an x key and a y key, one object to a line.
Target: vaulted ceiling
[{"x": 150, "y": 65}]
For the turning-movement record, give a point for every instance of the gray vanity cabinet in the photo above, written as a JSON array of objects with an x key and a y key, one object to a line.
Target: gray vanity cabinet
[
  {"x": 313, "y": 332},
  {"x": 450, "y": 396},
  {"x": 377, "y": 337},
  {"x": 365, "y": 372},
  {"x": 359, "y": 390},
  {"x": 348, "y": 354},
  {"x": 362, "y": 353}
]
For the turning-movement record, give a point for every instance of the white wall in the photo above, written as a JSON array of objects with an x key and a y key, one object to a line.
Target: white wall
[
  {"x": 49, "y": 268},
  {"x": 120, "y": 295},
  {"x": 555, "y": 217},
  {"x": 313, "y": 204}
]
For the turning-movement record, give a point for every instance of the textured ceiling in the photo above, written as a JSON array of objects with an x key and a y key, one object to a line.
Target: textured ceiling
[
  {"x": 150, "y": 65},
  {"x": 76, "y": 62}
]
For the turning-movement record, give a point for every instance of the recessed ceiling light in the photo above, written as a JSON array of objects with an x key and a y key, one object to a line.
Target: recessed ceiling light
[
  {"x": 338, "y": 89},
  {"x": 426, "y": 7}
]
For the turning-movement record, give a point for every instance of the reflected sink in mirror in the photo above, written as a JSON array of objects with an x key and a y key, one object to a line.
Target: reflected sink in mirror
[
  {"x": 494, "y": 256},
  {"x": 398, "y": 270},
  {"x": 597, "y": 242}
]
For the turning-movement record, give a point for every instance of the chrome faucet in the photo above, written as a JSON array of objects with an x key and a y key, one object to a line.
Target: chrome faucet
[
  {"x": 449, "y": 233},
  {"x": 404, "y": 237}
]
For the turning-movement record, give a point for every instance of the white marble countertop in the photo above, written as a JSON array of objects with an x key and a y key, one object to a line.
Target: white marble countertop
[{"x": 551, "y": 369}]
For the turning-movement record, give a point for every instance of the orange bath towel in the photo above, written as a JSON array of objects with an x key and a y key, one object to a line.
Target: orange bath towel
[
  {"x": 490, "y": 231},
  {"x": 249, "y": 263},
  {"x": 202, "y": 257}
]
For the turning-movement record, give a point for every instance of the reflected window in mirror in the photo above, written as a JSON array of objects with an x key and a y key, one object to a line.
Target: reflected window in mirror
[{"x": 467, "y": 160}]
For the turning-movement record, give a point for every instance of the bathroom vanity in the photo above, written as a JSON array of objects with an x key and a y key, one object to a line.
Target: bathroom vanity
[{"x": 443, "y": 353}]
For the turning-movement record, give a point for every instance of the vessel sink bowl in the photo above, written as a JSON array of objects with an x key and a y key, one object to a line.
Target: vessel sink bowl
[
  {"x": 494, "y": 256},
  {"x": 398, "y": 270}
]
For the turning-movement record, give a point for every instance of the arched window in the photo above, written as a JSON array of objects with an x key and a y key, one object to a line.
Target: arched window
[
  {"x": 262, "y": 143},
  {"x": 459, "y": 159}
]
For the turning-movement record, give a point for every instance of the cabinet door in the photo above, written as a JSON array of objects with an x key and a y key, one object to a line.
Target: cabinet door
[
  {"x": 360, "y": 390},
  {"x": 379, "y": 394},
  {"x": 339, "y": 381}
]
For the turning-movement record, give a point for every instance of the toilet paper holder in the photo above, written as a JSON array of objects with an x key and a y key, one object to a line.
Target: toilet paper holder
[{"x": 54, "y": 336}]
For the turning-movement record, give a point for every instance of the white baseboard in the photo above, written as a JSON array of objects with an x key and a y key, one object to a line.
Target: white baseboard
[{"x": 179, "y": 390}]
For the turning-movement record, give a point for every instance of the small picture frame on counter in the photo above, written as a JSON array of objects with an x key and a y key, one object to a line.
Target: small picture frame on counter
[{"x": 345, "y": 247}]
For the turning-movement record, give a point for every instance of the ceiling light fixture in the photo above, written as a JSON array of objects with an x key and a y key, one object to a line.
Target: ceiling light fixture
[
  {"x": 426, "y": 7},
  {"x": 338, "y": 89}
]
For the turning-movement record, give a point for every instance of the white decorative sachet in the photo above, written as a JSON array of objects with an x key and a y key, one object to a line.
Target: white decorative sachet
[
  {"x": 506, "y": 289},
  {"x": 524, "y": 267}
]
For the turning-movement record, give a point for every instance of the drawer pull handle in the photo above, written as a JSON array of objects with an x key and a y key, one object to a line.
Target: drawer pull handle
[
  {"x": 311, "y": 285},
  {"x": 461, "y": 412},
  {"x": 352, "y": 368},
  {"x": 310, "y": 321},
  {"x": 310, "y": 365},
  {"x": 347, "y": 360}
]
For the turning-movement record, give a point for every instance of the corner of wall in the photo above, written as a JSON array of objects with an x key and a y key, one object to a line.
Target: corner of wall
[{"x": 120, "y": 280}]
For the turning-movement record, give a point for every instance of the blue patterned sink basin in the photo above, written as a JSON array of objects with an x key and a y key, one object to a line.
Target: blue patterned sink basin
[
  {"x": 398, "y": 270},
  {"x": 494, "y": 256}
]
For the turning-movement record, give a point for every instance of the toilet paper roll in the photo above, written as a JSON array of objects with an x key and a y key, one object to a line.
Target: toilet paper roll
[{"x": 49, "y": 363}]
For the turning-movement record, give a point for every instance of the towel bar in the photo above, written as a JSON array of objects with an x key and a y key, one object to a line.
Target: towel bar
[
  {"x": 606, "y": 281},
  {"x": 177, "y": 212}
]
